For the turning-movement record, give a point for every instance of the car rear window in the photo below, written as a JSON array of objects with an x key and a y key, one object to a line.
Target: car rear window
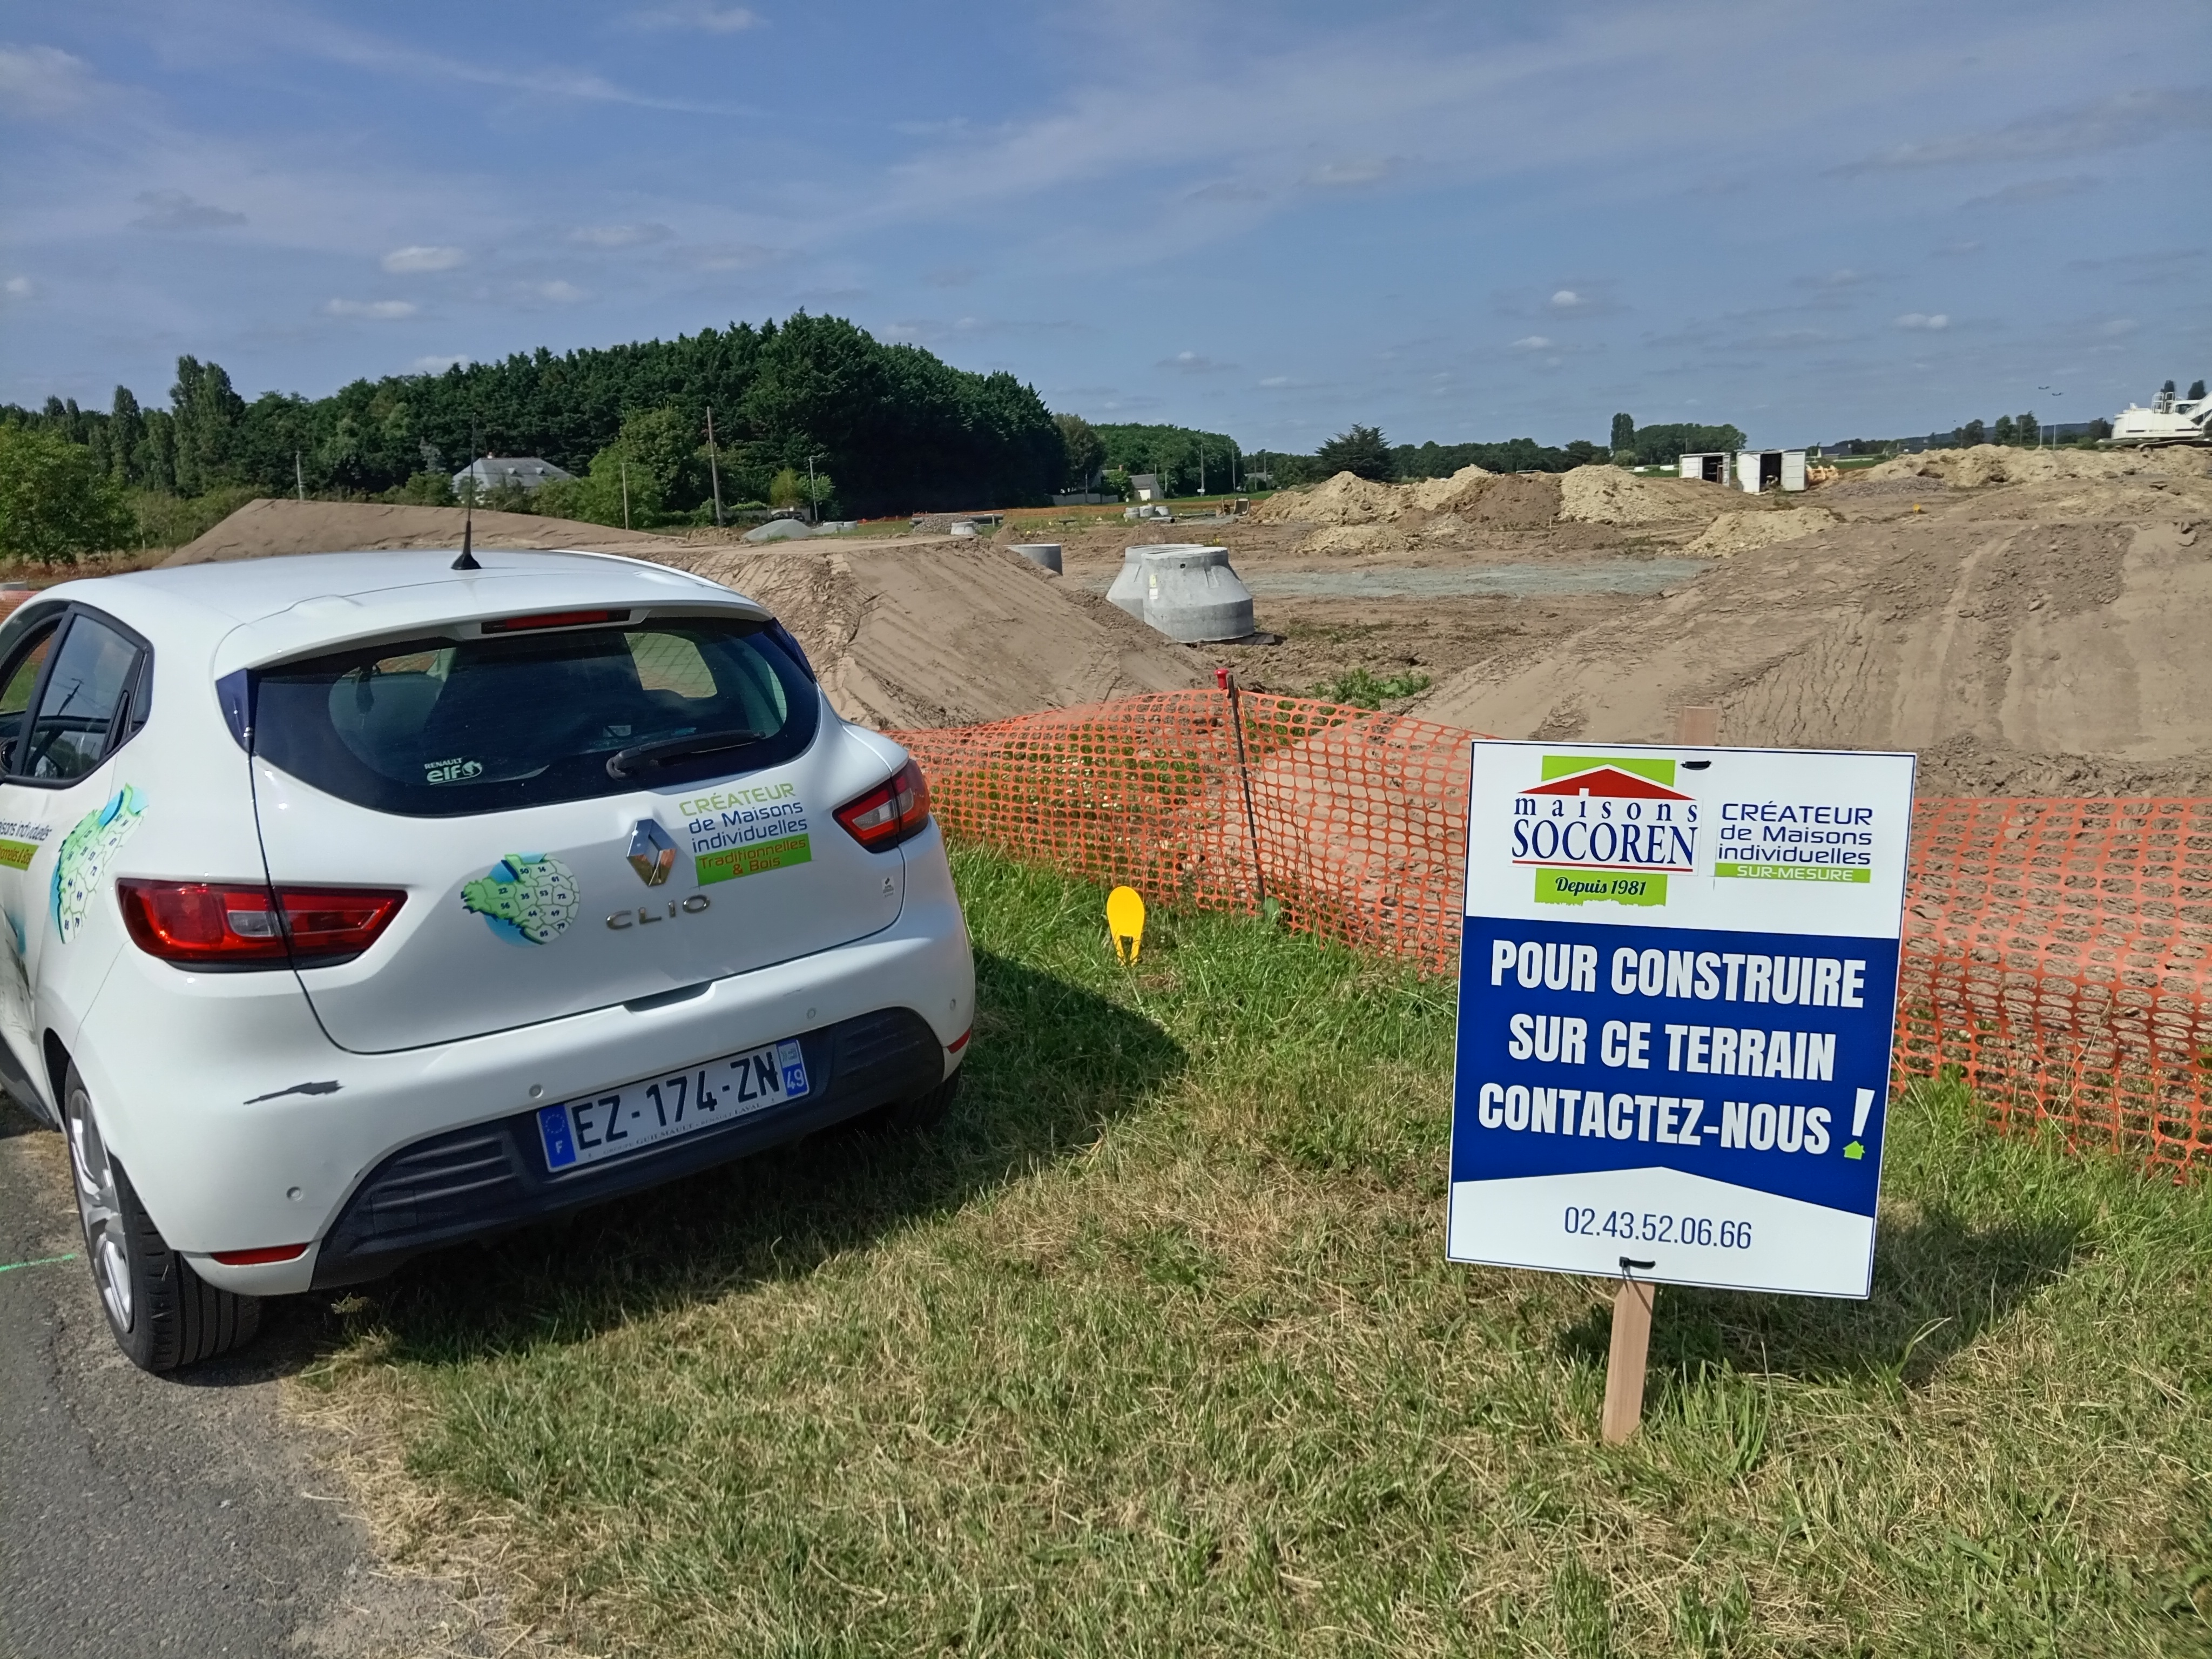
[{"x": 437, "y": 728}]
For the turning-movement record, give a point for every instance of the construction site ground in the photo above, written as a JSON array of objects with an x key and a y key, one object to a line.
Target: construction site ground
[{"x": 2027, "y": 621}]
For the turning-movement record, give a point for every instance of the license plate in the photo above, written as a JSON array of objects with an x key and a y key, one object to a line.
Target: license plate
[{"x": 642, "y": 1115}]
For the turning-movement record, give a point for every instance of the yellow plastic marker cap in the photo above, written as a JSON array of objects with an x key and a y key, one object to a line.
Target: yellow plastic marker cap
[{"x": 1125, "y": 919}]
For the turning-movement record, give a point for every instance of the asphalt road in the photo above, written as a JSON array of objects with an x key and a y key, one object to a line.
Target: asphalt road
[{"x": 150, "y": 1516}]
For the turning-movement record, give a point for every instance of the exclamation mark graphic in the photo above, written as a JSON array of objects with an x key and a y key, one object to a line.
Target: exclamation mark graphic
[{"x": 1859, "y": 1113}]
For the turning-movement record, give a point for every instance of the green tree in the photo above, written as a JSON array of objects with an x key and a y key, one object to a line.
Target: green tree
[
  {"x": 1623, "y": 435},
  {"x": 2196, "y": 390},
  {"x": 2027, "y": 429},
  {"x": 2003, "y": 432},
  {"x": 1360, "y": 450},
  {"x": 208, "y": 412},
  {"x": 127, "y": 432},
  {"x": 56, "y": 502},
  {"x": 1084, "y": 450}
]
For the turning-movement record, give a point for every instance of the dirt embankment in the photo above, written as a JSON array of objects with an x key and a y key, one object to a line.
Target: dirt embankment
[
  {"x": 2044, "y": 637},
  {"x": 1352, "y": 516},
  {"x": 919, "y": 632}
]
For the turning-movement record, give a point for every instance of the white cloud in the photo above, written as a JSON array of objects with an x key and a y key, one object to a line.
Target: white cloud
[
  {"x": 1567, "y": 299},
  {"x": 1921, "y": 319},
  {"x": 1358, "y": 170},
  {"x": 559, "y": 292},
  {"x": 437, "y": 365},
  {"x": 380, "y": 310},
  {"x": 171, "y": 209},
  {"x": 2118, "y": 326},
  {"x": 1276, "y": 380},
  {"x": 408, "y": 261},
  {"x": 1190, "y": 363},
  {"x": 619, "y": 235},
  {"x": 16, "y": 287},
  {"x": 697, "y": 14},
  {"x": 40, "y": 81},
  {"x": 1531, "y": 343}
]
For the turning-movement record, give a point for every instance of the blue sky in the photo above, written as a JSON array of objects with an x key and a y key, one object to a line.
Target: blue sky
[{"x": 1457, "y": 221}]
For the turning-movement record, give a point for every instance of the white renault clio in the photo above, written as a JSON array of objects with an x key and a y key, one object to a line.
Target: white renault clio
[{"x": 358, "y": 904}]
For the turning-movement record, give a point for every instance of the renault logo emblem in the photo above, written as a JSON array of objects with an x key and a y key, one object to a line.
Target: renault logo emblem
[{"x": 652, "y": 854}]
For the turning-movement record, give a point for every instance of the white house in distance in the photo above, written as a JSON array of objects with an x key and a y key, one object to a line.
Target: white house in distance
[{"x": 525, "y": 472}]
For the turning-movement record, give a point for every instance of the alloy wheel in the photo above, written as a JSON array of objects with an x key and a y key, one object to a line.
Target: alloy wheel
[{"x": 106, "y": 1240}]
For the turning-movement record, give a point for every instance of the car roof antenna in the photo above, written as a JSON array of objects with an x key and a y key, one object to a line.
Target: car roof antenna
[{"x": 468, "y": 559}]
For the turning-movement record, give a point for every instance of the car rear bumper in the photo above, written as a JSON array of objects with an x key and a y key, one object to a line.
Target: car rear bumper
[
  {"x": 243, "y": 1127},
  {"x": 467, "y": 1183}
]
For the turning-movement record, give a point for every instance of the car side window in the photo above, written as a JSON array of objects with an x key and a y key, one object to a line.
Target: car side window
[
  {"x": 21, "y": 679},
  {"x": 94, "y": 672}
]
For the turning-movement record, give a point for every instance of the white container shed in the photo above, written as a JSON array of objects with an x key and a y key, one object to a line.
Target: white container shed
[
  {"x": 1711, "y": 466},
  {"x": 1762, "y": 469}
]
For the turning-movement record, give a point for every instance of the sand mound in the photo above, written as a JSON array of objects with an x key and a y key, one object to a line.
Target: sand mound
[
  {"x": 1346, "y": 499},
  {"x": 1341, "y": 538},
  {"x": 1608, "y": 494},
  {"x": 1739, "y": 532},
  {"x": 950, "y": 633},
  {"x": 1448, "y": 495},
  {"x": 2011, "y": 653},
  {"x": 1993, "y": 464},
  {"x": 1469, "y": 496},
  {"x": 905, "y": 633}
]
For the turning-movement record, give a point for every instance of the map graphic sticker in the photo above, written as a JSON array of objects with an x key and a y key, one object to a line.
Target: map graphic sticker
[
  {"x": 85, "y": 853},
  {"x": 527, "y": 898}
]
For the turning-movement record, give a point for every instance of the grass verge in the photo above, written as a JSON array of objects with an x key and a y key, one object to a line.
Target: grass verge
[{"x": 1152, "y": 1350}]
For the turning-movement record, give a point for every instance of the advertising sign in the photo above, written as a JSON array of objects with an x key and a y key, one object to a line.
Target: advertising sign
[{"x": 1677, "y": 987}]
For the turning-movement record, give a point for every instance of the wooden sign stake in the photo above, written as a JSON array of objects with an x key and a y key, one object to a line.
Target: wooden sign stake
[
  {"x": 1697, "y": 726},
  {"x": 1623, "y": 1365}
]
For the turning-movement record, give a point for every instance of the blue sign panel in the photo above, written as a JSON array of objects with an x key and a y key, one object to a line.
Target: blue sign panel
[{"x": 1678, "y": 985}]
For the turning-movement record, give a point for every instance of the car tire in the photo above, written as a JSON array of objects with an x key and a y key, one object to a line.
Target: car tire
[
  {"x": 923, "y": 1112},
  {"x": 163, "y": 1315}
]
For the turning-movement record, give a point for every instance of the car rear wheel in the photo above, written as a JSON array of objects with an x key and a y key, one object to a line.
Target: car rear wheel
[{"x": 162, "y": 1313}]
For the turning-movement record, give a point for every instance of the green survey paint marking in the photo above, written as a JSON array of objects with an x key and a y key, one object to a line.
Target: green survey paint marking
[{"x": 41, "y": 1261}]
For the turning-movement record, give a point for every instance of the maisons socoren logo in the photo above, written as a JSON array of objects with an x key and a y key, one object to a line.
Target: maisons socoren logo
[{"x": 1605, "y": 829}]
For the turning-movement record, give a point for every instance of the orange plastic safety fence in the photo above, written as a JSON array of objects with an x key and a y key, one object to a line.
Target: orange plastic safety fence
[{"x": 2057, "y": 955}]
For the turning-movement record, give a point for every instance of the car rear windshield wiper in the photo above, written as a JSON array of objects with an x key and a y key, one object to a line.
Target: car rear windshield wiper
[{"x": 624, "y": 761}]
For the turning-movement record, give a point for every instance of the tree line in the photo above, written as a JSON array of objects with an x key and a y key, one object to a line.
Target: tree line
[
  {"x": 812, "y": 411},
  {"x": 898, "y": 429}
]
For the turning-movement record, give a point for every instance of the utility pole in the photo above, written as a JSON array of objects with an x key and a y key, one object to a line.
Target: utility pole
[
  {"x": 813, "y": 507},
  {"x": 1201, "y": 469},
  {"x": 299, "y": 478},
  {"x": 713, "y": 470}
]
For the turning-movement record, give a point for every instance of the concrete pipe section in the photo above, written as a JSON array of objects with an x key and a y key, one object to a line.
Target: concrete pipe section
[
  {"x": 1046, "y": 554},
  {"x": 1127, "y": 592},
  {"x": 1191, "y": 595}
]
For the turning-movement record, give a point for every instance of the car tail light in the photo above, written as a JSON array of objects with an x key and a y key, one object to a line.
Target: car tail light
[
  {"x": 261, "y": 1257},
  {"x": 246, "y": 924},
  {"x": 895, "y": 810}
]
